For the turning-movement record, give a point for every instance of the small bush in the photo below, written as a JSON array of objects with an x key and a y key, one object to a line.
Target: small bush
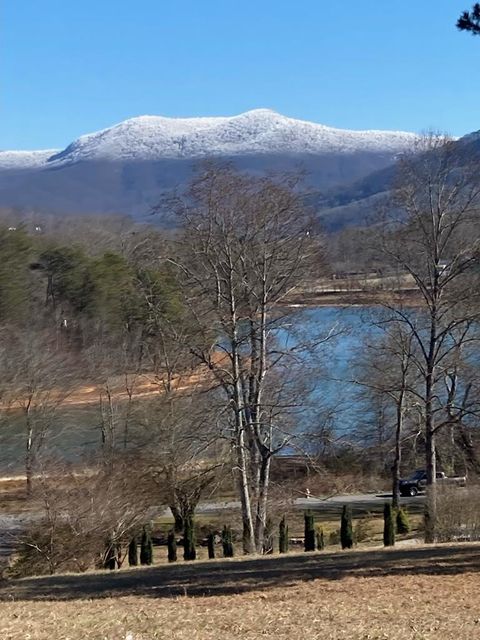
[
  {"x": 320, "y": 536},
  {"x": 334, "y": 537},
  {"x": 48, "y": 551},
  {"x": 402, "y": 522},
  {"x": 458, "y": 514},
  {"x": 363, "y": 531}
]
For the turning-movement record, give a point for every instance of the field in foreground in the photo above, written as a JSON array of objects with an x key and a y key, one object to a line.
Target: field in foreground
[{"x": 416, "y": 594}]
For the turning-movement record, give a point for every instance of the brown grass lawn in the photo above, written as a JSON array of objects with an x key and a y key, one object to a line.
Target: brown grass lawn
[{"x": 416, "y": 594}]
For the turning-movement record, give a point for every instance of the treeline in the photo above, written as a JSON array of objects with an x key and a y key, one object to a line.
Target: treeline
[
  {"x": 47, "y": 284},
  {"x": 201, "y": 367}
]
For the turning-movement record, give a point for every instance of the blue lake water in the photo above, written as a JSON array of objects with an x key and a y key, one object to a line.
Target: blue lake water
[
  {"x": 338, "y": 358},
  {"x": 77, "y": 430}
]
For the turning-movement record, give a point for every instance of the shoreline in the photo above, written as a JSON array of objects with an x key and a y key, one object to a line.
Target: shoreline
[{"x": 356, "y": 298}]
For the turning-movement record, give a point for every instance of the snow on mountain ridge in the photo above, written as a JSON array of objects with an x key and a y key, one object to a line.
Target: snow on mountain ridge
[
  {"x": 254, "y": 132},
  {"x": 25, "y": 159},
  {"x": 260, "y": 131}
]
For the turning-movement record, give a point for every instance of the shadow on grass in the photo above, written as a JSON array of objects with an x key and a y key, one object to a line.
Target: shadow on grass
[{"x": 235, "y": 576}]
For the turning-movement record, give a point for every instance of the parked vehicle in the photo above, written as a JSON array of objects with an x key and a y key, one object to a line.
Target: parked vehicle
[{"x": 417, "y": 482}]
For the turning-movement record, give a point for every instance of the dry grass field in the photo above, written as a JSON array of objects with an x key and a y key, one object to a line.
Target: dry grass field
[{"x": 420, "y": 593}]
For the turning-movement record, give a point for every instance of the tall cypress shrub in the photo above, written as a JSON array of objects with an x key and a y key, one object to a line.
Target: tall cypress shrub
[
  {"x": 189, "y": 551},
  {"x": 146, "y": 548},
  {"x": 283, "y": 541},
  {"x": 309, "y": 523},
  {"x": 133, "y": 552},
  {"x": 388, "y": 525},
  {"x": 346, "y": 530},
  {"x": 227, "y": 542},
  {"x": 320, "y": 539},
  {"x": 211, "y": 546},
  {"x": 172, "y": 546}
]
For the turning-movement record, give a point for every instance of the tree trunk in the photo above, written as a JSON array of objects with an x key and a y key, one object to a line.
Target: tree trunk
[
  {"x": 178, "y": 518},
  {"x": 29, "y": 456},
  {"x": 261, "y": 514},
  {"x": 398, "y": 455},
  {"x": 430, "y": 464},
  {"x": 242, "y": 479}
]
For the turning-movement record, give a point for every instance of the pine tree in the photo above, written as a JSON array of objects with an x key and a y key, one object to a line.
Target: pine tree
[
  {"x": 133, "y": 552},
  {"x": 211, "y": 546},
  {"x": 172, "y": 546},
  {"x": 309, "y": 523},
  {"x": 388, "y": 525},
  {"x": 320, "y": 539},
  {"x": 403, "y": 523},
  {"x": 227, "y": 542},
  {"x": 189, "y": 552},
  {"x": 146, "y": 548},
  {"x": 470, "y": 20},
  {"x": 346, "y": 531},
  {"x": 283, "y": 541}
]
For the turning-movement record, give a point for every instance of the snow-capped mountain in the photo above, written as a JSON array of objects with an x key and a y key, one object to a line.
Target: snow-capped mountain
[
  {"x": 127, "y": 167},
  {"x": 260, "y": 131}
]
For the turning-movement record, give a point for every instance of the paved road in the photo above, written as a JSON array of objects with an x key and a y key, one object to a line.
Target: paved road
[{"x": 362, "y": 504}]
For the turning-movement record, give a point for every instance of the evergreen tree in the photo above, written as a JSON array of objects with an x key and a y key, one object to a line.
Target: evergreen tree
[
  {"x": 283, "y": 541},
  {"x": 346, "y": 530},
  {"x": 133, "y": 552},
  {"x": 309, "y": 527},
  {"x": 68, "y": 278},
  {"x": 146, "y": 548},
  {"x": 15, "y": 275},
  {"x": 403, "y": 524},
  {"x": 388, "y": 525},
  {"x": 172, "y": 546},
  {"x": 320, "y": 539},
  {"x": 470, "y": 20},
  {"x": 227, "y": 542},
  {"x": 211, "y": 546},
  {"x": 189, "y": 552},
  {"x": 115, "y": 299}
]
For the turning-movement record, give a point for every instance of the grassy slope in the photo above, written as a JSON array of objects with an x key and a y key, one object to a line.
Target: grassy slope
[{"x": 416, "y": 594}]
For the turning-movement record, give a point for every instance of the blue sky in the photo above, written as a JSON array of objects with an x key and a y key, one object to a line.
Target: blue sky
[{"x": 68, "y": 68}]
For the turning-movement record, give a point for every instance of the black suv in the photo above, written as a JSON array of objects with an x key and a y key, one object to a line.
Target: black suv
[{"x": 415, "y": 483}]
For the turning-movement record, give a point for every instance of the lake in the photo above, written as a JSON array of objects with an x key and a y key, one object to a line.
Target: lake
[{"x": 77, "y": 429}]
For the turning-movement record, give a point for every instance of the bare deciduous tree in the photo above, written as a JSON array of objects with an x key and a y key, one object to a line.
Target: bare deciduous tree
[
  {"x": 36, "y": 380},
  {"x": 434, "y": 241},
  {"x": 247, "y": 243},
  {"x": 387, "y": 372}
]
